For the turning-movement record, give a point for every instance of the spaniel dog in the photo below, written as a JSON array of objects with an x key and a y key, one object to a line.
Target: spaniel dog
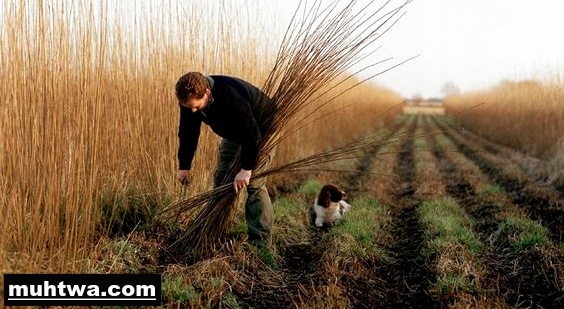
[{"x": 330, "y": 206}]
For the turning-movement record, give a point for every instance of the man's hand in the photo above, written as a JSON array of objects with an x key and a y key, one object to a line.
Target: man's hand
[
  {"x": 242, "y": 179},
  {"x": 184, "y": 177}
]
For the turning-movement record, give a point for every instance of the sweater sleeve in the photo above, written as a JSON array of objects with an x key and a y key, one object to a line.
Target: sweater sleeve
[
  {"x": 188, "y": 135},
  {"x": 250, "y": 150}
]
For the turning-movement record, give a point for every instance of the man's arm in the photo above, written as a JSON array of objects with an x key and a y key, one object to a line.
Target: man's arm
[{"x": 188, "y": 135}]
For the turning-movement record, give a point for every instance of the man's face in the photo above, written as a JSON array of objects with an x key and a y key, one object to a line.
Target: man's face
[{"x": 196, "y": 104}]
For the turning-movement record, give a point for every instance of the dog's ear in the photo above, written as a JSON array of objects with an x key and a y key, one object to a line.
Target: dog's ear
[
  {"x": 324, "y": 198},
  {"x": 336, "y": 194}
]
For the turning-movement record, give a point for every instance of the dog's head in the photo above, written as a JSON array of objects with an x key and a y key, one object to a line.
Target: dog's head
[{"x": 330, "y": 193}]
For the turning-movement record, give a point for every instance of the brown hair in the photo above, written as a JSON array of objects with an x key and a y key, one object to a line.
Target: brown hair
[{"x": 191, "y": 85}]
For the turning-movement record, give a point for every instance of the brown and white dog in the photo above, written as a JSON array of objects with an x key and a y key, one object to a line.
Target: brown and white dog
[{"x": 330, "y": 205}]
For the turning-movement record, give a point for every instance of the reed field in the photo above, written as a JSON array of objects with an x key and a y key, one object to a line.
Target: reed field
[
  {"x": 527, "y": 115},
  {"x": 461, "y": 209}
]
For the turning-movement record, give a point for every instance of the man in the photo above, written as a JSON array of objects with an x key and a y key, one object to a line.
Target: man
[{"x": 232, "y": 108}]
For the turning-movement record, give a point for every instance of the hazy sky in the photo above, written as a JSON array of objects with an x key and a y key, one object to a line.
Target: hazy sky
[{"x": 473, "y": 44}]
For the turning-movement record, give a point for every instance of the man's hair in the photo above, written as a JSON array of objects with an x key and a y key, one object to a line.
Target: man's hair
[{"x": 191, "y": 85}]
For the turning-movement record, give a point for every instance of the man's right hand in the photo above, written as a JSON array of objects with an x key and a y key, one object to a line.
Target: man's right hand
[{"x": 184, "y": 177}]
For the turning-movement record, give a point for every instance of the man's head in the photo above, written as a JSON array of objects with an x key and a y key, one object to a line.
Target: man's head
[{"x": 192, "y": 91}]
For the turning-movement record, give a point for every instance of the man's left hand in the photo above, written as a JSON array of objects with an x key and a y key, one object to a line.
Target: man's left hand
[{"x": 242, "y": 179}]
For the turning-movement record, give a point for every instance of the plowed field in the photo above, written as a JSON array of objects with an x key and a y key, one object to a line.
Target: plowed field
[{"x": 464, "y": 223}]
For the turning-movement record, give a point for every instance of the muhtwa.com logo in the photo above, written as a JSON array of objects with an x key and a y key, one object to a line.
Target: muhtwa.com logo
[{"x": 82, "y": 289}]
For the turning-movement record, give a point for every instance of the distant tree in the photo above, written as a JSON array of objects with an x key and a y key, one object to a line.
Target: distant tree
[
  {"x": 450, "y": 89},
  {"x": 417, "y": 98}
]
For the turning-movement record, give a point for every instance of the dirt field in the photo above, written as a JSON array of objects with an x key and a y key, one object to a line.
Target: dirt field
[
  {"x": 466, "y": 166},
  {"x": 431, "y": 161}
]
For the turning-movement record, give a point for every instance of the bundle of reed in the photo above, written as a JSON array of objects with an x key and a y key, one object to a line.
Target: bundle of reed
[{"x": 320, "y": 45}]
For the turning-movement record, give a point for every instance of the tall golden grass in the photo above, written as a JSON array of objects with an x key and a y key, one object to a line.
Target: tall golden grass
[
  {"x": 88, "y": 117},
  {"x": 355, "y": 114},
  {"x": 88, "y": 112},
  {"x": 527, "y": 115}
]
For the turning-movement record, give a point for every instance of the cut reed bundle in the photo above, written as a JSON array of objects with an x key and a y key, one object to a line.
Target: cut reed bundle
[
  {"x": 345, "y": 151},
  {"x": 321, "y": 44}
]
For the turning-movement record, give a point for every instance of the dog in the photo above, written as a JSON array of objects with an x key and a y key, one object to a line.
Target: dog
[{"x": 330, "y": 205}]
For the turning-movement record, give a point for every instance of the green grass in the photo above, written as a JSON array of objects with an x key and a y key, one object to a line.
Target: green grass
[
  {"x": 291, "y": 220},
  {"x": 176, "y": 291},
  {"x": 120, "y": 256},
  {"x": 130, "y": 209},
  {"x": 230, "y": 301},
  {"x": 362, "y": 227},
  {"x": 290, "y": 210},
  {"x": 523, "y": 233},
  {"x": 238, "y": 229},
  {"x": 491, "y": 190},
  {"x": 446, "y": 222},
  {"x": 452, "y": 284},
  {"x": 420, "y": 144},
  {"x": 268, "y": 257},
  {"x": 444, "y": 141},
  {"x": 293, "y": 211},
  {"x": 451, "y": 241},
  {"x": 310, "y": 188},
  {"x": 357, "y": 234}
]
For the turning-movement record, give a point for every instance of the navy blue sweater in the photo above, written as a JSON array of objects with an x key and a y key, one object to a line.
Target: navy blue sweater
[{"x": 232, "y": 115}]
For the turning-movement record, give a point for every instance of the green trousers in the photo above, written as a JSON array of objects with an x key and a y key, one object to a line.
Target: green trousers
[{"x": 258, "y": 207}]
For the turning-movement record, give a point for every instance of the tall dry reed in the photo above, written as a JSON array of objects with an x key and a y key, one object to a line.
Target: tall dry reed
[
  {"x": 88, "y": 117},
  {"x": 525, "y": 115},
  {"x": 355, "y": 113}
]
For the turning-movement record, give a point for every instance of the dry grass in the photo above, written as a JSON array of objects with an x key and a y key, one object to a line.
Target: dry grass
[
  {"x": 516, "y": 114},
  {"x": 87, "y": 113}
]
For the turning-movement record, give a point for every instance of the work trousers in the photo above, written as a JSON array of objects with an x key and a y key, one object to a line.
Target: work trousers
[{"x": 258, "y": 206}]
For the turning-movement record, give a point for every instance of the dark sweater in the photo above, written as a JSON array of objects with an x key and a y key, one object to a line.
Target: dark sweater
[{"x": 232, "y": 115}]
